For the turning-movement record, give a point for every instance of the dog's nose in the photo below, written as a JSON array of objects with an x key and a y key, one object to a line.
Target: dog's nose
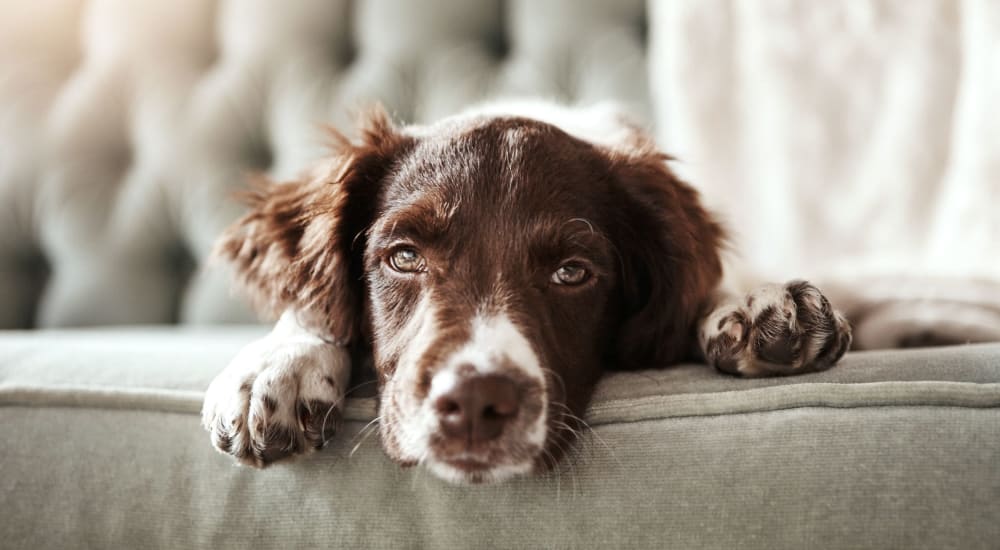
[{"x": 477, "y": 408}]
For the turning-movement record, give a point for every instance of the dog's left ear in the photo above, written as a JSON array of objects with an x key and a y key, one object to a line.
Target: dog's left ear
[{"x": 670, "y": 247}]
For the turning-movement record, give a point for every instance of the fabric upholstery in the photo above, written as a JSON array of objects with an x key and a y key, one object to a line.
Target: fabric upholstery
[
  {"x": 103, "y": 448},
  {"x": 125, "y": 126},
  {"x": 864, "y": 133}
]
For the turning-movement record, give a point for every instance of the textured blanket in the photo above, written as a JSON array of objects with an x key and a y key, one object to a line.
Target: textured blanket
[{"x": 852, "y": 143}]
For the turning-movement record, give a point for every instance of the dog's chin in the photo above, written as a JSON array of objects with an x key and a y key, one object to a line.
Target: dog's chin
[
  {"x": 481, "y": 466},
  {"x": 469, "y": 471}
]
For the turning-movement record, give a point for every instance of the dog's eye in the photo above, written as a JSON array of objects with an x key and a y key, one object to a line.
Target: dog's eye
[
  {"x": 406, "y": 260},
  {"x": 570, "y": 274}
]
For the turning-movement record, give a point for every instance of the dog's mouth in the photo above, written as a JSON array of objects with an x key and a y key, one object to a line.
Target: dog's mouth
[
  {"x": 477, "y": 470},
  {"x": 516, "y": 452},
  {"x": 480, "y": 414},
  {"x": 530, "y": 447},
  {"x": 469, "y": 465}
]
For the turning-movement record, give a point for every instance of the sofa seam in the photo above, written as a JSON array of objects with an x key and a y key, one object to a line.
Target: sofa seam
[
  {"x": 611, "y": 412},
  {"x": 618, "y": 422}
]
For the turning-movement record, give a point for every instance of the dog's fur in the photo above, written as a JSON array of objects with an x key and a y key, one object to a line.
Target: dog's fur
[{"x": 545, "y": 247}]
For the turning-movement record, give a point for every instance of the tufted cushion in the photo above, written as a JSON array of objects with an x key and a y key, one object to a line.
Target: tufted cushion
[{"x": 125, "y": 126}]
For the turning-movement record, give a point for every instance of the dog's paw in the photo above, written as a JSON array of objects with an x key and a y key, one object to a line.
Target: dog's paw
[
  {"x": 278, "y": 397},
  {"x": 776, "y": 330}
]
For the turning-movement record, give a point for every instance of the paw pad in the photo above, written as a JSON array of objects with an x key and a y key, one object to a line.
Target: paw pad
[{"x": 787, "y": 329}]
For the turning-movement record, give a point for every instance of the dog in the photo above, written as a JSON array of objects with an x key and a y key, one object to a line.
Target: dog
[{"x": 492, "y": 265}]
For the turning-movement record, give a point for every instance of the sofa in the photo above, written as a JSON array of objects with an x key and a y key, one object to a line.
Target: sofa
[{"x": 127, "y": 127}]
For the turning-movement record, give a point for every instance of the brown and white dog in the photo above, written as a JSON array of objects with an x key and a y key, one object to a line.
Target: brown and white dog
[{"x": 493, "y": 265}]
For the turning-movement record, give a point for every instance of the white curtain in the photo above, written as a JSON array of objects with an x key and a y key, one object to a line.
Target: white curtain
[{"x": 840, "y": 140}]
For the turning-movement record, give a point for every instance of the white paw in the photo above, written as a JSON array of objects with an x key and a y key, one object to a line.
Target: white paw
[
  {"x": 280, "y": 396},
  {"x": 778, "y": 329}
]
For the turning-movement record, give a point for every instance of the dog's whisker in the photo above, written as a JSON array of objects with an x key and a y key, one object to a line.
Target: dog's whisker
[
  {"x": 555, "y": 376},
  {"x": 568, "y": 465},
  {"x": 584, "y": 428},
  {"x": 364, "y": 433},
  {"x": 326, "y": 416},
  {"x": 583, "y": 221},
  {"x": 552, "y": 465},
  {"x": 593, "y": 433},
  {"x": 357, "y": 236},
  {"x": 356, "y": 447},
  {"x": 369, "y": 426},
  {"x": 418, "y": 471},
  {"x": 358, "y": 386}
]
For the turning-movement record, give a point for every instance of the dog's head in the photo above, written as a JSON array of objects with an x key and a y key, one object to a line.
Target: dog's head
[{"x": 495, "y": 265}]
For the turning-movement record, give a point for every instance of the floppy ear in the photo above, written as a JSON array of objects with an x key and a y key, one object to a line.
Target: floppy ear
[
  {"x": 297, "y": 246},
  {"x": 670, "y": 249}
]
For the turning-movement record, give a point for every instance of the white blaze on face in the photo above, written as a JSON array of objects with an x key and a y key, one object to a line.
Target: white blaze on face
[
  {"x": 495, "y": 345},
  {"x": 495, "y": 342}
]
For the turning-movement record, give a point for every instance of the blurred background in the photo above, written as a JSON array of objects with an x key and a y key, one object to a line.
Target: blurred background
[{"x": 847, "y": 141}]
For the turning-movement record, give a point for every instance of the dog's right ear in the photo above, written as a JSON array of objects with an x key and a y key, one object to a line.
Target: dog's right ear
[{"x": 300, "y": 244}]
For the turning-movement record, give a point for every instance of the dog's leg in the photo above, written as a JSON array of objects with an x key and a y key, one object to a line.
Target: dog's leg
[
  {"x": 280, "y": 396},
  {"x": 774, "y": 330}
]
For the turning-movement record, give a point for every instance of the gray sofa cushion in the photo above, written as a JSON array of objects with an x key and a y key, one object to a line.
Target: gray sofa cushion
[
  {"x": 102, "y": 447},
  {"x": 126, "y": 126}
]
